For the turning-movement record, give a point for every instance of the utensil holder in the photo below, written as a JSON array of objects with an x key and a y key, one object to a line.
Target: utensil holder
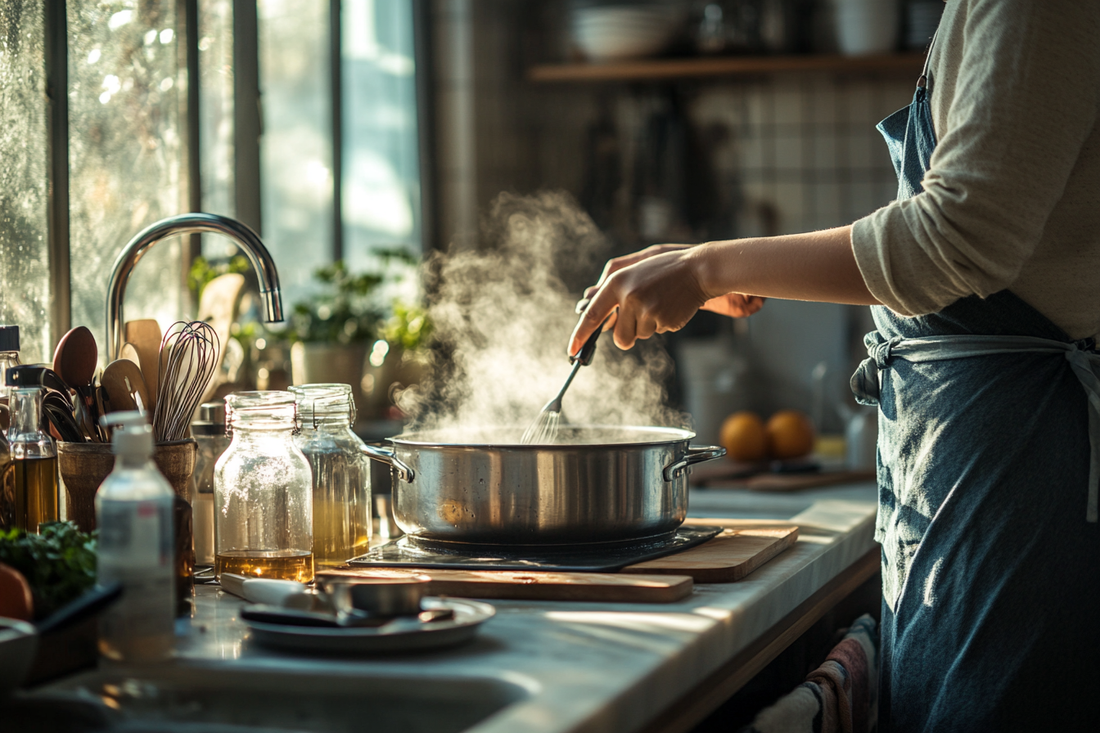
[{"x": 84, "y": 466}]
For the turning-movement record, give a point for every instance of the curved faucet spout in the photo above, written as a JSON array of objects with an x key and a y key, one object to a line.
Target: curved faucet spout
[{"x": 192, "y": 223}]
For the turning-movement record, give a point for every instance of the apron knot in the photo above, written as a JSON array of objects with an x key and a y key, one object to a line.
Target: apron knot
[{"x": 865, "y": 381}]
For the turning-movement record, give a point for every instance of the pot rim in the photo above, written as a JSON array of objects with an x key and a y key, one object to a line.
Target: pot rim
[{"x": 428, "y": 439}]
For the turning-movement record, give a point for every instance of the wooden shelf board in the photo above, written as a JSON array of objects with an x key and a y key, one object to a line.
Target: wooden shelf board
[{"x": 660, "y": 69}]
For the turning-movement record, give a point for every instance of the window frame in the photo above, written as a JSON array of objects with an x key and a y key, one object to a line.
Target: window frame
[{"x": 247, "y": 131}]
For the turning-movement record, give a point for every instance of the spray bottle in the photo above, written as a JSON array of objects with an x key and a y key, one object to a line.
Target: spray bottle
[{"x": 133, "y": 510}]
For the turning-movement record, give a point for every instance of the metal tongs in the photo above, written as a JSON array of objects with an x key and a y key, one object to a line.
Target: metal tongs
[{"x": 544, "y": 428}]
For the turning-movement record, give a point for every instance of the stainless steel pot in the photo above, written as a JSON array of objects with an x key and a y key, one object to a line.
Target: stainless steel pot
[{"x": 597, "y": 484}]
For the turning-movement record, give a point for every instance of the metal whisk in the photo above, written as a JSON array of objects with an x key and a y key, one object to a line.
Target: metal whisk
[
  {"x": 544, "y": 428},
  {"x": 188, "y": 360}
]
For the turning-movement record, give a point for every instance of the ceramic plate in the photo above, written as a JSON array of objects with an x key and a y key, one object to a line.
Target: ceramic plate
[{"x": 397, "y": 636}]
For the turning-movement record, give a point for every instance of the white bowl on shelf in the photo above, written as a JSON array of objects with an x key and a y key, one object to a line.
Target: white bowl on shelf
[
  {"x": 622, "y": 32},
  {"x": 866, "y": 27}
]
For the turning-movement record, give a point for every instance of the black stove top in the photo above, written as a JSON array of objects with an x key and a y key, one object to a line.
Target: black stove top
[{"x": 600, "y": 557}]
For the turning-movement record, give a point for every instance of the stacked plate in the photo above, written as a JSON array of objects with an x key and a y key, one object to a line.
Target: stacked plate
[
  {"x": 867, "y": 26},
  {"x": 620, "y": 32}
]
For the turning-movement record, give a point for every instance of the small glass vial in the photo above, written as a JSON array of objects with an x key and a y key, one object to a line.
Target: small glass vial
[
  {"x": 341, "y": 477},
  {"x": 34, "y": 462},
  {"x": 209, "y": 433},
  {"x": 263, "y": 492}
]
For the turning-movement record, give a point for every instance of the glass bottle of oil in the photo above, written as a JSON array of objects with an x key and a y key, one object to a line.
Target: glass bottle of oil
[
  {"x": 33, "y": 461},
  {"x": 263, "y": 491},
  {"x": 341, "y": 478}
]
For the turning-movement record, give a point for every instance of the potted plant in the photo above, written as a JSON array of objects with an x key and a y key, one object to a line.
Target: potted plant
[{"x": 345, "y": 332}]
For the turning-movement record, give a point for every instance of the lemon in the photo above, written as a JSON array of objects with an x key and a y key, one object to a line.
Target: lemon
[{"x": 743, "y": 437}]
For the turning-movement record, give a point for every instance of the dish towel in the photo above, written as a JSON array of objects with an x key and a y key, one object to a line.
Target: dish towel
[{"x": 840, "y": 696}]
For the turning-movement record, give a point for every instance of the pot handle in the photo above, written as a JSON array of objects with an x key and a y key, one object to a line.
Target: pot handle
[
  {"x": 695, "y": 454},
  {"x": 389, "y": 456}
]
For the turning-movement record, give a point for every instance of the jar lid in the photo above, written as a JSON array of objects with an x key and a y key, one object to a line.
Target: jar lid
[
  {"x": 271, "y": 407},
  {"x": 330, "y": 399},
  {"x": 9, "y": 338}
]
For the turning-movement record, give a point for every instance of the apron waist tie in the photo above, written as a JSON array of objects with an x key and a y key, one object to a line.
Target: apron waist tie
[{"x": 1084, "y": 362}]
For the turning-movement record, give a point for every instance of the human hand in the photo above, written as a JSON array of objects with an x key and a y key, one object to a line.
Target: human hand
[
  {"x": 655, "y": 292},
  {"x": 617, "y": 263}
]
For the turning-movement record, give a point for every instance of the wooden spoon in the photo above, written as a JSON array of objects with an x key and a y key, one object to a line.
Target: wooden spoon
[
  {"x": 75, "y": 360},
  {"x": 76, "y": 357},
  {"x": 145, "y": 335},
  {"x": 123, "y": 386}
]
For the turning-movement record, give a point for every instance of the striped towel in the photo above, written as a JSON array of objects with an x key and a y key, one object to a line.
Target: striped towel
[{"x": 840, "y": 696}]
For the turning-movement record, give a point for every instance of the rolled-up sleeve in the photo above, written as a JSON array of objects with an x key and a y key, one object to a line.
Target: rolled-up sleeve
[{"x": 1025, "y": 100}]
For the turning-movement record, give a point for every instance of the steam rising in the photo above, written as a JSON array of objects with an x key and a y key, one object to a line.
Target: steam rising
[{"x": 503, "y": 316}]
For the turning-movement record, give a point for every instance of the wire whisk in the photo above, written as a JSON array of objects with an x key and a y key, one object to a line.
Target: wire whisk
[
  {"x": 187, "y": 362},
  {"x": 544, "y": 429}
]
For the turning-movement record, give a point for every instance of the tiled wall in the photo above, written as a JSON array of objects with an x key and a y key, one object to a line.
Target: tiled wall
[{"x": 802, "y": 146}]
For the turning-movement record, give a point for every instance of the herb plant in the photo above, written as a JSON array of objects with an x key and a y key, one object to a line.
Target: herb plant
[{"x": 59, "y": 563}]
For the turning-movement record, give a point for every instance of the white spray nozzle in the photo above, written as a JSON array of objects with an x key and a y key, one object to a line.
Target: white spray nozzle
[
  {"x": 133, "y": 435},
  {"x": 129, "y": 419}
]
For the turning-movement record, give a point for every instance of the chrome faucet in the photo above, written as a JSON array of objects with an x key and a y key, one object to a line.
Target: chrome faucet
[{"x": 192, "y": 223}]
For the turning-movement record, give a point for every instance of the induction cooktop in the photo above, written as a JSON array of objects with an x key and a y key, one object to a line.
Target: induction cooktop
[{"x": 599, "y": 557}]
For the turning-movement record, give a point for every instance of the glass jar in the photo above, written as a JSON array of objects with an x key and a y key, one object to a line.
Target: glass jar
[
  {"x": 263, "y": 491},
  {"x": 341, "y": 476}
]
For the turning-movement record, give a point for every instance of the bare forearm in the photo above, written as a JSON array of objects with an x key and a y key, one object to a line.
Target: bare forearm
[{"x": 816, "y": 266}]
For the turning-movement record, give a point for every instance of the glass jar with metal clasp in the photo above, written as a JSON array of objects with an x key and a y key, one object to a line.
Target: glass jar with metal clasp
[
  {"x": 263, "y": 491},
  {"x": 341, "y": 475}
]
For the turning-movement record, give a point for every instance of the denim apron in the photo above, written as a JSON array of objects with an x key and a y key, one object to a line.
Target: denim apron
[{"x": 988, "y": 466}]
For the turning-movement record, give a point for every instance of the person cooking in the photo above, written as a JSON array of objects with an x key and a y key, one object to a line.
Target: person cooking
[{"x": 984, "y": 282}]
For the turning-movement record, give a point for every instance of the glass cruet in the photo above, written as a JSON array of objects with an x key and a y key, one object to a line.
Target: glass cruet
[
  {"x": 34, "y": 462},
  {"x": 341, "y": 476},
  {"x": 263, "y": 491}
]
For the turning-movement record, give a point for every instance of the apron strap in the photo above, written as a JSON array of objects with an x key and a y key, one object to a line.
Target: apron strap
[{"x": 1084, "y": 361}]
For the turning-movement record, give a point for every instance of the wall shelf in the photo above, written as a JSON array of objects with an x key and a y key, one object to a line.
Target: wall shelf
[{"x": 727, "y": 66}]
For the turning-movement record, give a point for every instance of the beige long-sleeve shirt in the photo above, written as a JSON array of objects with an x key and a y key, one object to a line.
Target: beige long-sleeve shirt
[{"x": 1012, "y": 197}]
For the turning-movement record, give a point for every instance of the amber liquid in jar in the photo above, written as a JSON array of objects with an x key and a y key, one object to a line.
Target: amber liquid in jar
[
  {"x": 277, "y": 564},
  {"x": 36, "y": 486}
]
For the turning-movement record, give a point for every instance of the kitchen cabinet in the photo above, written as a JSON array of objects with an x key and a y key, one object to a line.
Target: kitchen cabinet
[
  {"x": 655, "y": 70},
  {"x": 556, "y": 666}
]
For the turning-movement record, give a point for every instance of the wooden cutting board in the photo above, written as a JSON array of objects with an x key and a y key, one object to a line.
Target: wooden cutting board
[
  {"x": 545, "y": 586},
  {"x": 743, "y": 546}
]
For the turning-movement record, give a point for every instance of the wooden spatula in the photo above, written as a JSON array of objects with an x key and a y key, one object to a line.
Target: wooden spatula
[
  {"x": 145, "y": 335},
  {"x": 124, "y": 386},
  {"x": 218, "y": 307}
]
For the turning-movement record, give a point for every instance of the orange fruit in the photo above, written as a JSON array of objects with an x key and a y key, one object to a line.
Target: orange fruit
[
  {"x": 743, "y": 437},
  {"x": 790, "y": 434},
  {"x": 15, "y": 595}
]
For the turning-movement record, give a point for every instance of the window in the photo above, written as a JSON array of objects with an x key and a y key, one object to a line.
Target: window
[{"x": 331, "y": 175}]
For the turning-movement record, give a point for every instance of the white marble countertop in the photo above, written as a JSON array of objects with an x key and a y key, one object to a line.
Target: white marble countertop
[{"x": 581, "y": 667}]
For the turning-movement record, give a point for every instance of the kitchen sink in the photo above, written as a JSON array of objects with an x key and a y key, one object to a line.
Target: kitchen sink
[{"x": 197, "y": 699}]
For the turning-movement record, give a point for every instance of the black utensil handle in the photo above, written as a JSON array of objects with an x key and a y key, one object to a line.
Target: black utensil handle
[
  {"x": 86, "y": 606},
  {"x": 584, "y": 356}
]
